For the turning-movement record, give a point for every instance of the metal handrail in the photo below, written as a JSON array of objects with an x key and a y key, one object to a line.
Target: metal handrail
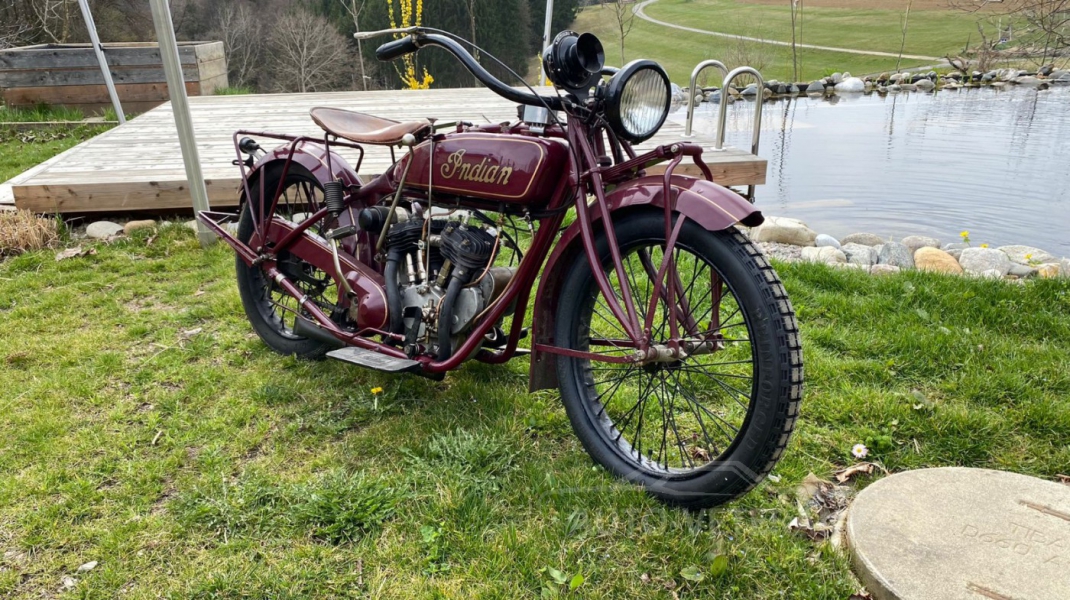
[
  {"x": 722, "y": 113},
  {"x": 691, "y": 89}
]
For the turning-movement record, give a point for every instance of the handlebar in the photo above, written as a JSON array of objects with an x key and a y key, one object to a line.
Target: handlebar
[
  {"x": 396, "y": 48},
  {"x": 418, "y": 39}
]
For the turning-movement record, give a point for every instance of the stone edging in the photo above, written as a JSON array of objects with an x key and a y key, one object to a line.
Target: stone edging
[
  {"x": 791, "y": 240},
  {"x": 844, "y": 83}
]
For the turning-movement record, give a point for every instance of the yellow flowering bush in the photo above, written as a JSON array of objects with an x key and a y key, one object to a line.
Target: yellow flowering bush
[{"x": 411, "y": 15}]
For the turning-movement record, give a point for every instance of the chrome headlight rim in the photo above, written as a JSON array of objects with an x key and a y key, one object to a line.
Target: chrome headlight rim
[{"x": 615, "y": 91}]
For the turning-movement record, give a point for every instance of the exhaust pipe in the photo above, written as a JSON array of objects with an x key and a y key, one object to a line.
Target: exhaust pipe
[{"x": 305, "y": 328}]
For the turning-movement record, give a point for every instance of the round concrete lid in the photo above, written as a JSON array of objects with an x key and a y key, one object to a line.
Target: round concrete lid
[{"x": 956, "y": 533}]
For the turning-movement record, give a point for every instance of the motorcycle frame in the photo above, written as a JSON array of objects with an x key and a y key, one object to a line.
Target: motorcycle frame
[{"x": 587, "y": 177}]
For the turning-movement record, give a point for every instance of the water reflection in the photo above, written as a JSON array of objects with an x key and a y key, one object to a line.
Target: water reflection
[{"x": 996, "y": 163}]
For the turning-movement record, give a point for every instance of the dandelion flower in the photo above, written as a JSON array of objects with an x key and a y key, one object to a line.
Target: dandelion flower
[
  {"x": 964, "y": 234},
  {"x": 984, "y": 245},
  {"x": 860, "y": 451},
  {"x": 377, "y": 390}
]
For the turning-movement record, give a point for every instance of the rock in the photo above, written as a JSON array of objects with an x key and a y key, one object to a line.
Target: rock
[
  {"x": 750, "y": 90},
  {"x": 955, "y": 249},
  {"x": 815, "y": 87},
  {"x": 894, "y": 88},
  {"x": 1021, "y": 271},
  {"x": 896, "y": 78},
  {"x": 848, "y": 265},
  {"x": 865, "y": 239},
  {"x": 851, "y": 85},
  {"x": 990, "y": 274},
  {"x": 925, "y": 85},
  {"x": 859, "y": 254},
  {"x": 935, "y": 260},
  {"x": 883, "y": 269},
  {"x": 89, "y": 566},
  {"x": 1048, "y": 271},
  {"x": 978, "y": 260},
  {"x": 1045, "y": 70},
  {"x": 1018, "y": 254},
  {"x": 1028, "y": 81},
  {"x": 958, "y": 533},
  {"x": 1064, "y": 267},
  {"x": 133, "y": 226},
  {"x": 823, "y": 254},
  {"x": 102, "y": 230},
  {"x": 824, "y": 239},
  {"x": 836, "y": 78},
  {"x": 908, "y": 87},
  {"x": 882, "y": 77},
  {"x": 785, "y": 231},
  {"x": 894, "y": 253},
  {"x": 989, "y": 76},
  {"x": 793, "y": 89},
  {"x": 920, "y": 241}
]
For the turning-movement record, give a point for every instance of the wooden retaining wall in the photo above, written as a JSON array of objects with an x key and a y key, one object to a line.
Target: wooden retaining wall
[{"x": 69, "y": 75}]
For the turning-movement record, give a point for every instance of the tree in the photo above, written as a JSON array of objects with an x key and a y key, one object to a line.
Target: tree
[
  {"x": 242, "y": 32},
  {"x": 1042, "y": 27},
  {"x": 624, "y": 18},
  {"x": 309, "y": 54},
  {"x": 354, "y": 8}
]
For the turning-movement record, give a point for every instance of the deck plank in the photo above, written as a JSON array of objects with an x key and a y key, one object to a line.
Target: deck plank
[{"x": 138, "y": 166}]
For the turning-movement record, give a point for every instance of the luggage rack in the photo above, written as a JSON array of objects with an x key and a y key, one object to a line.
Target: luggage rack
[{"x": 727, "y": 77}]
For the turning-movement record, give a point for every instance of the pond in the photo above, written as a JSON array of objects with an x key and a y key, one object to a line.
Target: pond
[{"x": 992, "y": 162}]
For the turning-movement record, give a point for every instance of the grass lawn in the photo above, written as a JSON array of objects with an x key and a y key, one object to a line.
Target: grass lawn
[
  {"x": 145, "y": 427},
  {"x": 931, "y": 33},
  {"x": 20, "y": 150}
]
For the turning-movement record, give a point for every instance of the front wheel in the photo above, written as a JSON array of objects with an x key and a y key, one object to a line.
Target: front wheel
[{"x": 706, "y": 428}]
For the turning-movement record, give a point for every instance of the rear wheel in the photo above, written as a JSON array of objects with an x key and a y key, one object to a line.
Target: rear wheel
[
  {"x": 271, "y": 311},
  {"x": 704, "y": 429}
]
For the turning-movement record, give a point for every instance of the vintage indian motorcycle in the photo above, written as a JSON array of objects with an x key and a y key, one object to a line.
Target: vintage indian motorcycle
[{"x": 669, "y": 335}]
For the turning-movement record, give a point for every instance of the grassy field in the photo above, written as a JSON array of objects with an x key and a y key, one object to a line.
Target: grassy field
[
  {"x": 146, "y": 428},
  {"x": 20, "y": 150},
  {"x": 931, "y": 33}
]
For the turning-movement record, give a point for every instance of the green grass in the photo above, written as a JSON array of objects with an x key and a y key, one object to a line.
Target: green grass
[
  {"x": 40, "y": 113},
  {"x": 147, "y": 428},
  {"x": 233, "y": 91},
  {"x": 931, "y": 33},
  {"x": 20, "y": 150}
]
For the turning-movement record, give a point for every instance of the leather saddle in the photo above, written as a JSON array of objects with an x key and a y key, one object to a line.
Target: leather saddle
[{"x": 366, "y": 129}]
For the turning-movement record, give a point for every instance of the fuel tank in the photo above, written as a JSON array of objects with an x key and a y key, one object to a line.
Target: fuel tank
[{"x": 490, "y": 166}]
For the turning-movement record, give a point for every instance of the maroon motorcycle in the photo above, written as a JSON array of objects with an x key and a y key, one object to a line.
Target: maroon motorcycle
[{"x": 669, "y": 335}]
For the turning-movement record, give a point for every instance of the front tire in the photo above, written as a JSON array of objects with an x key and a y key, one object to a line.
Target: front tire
[{"x": 717, "y": 421}]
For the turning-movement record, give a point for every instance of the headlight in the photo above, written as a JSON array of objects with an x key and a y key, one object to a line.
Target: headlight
[{"x": 637, "y": 100}]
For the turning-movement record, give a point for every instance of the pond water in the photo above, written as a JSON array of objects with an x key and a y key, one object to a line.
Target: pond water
[{"x": 994, "y": 163}]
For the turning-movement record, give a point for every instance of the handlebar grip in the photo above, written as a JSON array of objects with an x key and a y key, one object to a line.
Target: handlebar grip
[{"x": 391, "y": 50}]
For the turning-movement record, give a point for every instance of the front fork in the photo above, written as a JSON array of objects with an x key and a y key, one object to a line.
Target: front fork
[{"x": 667, "y": 284}]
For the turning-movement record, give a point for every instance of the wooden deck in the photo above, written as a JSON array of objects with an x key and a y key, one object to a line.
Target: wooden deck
[{"x": 138, "y": 166}]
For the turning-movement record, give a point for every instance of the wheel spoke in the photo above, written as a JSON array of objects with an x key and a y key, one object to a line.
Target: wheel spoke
[{"x": 692, "y": 415}]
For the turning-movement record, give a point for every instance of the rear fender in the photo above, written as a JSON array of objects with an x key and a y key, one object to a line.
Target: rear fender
[
  {"x": 314, "y": 159},
  {"x": 710, "y": 205}
]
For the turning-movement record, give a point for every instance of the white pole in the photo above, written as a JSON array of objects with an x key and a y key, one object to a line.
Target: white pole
[
  {"x": 99, "y": 50},
  {"x": 546, "y": 37},
  {"x": 176, "y": 86}
]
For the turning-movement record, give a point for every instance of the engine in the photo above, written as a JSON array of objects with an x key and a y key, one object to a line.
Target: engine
[{"x": 439, "y": 278}]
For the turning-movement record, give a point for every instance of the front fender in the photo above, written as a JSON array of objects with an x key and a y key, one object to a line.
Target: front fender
[{"x": 710, "y": 205}]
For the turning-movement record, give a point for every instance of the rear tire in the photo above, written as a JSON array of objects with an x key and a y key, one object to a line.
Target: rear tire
[
  {"x": 687, "y": 392},
  {"x": 260, "y": 296}
]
